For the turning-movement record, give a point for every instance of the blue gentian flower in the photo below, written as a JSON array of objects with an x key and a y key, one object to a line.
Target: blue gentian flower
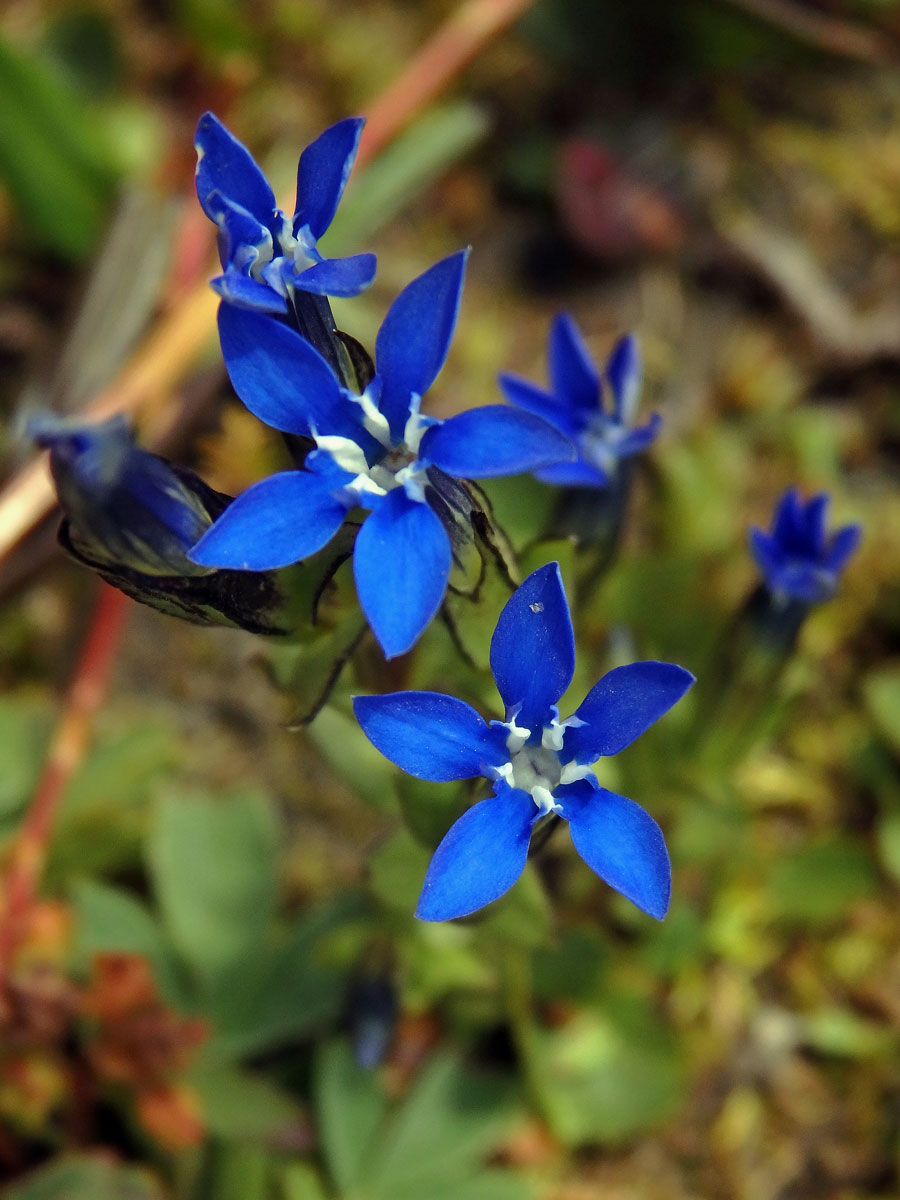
[
  {"x": 537, "y": 763},
  {"x": 576, "y": 405},
  {"x": 125, "y": 505},
  {"x": 132, "y": 517},
  {"x": 374, "y": 451},
  {"x": 797, "y": 558},
  {"x": 266, "y": 255}
]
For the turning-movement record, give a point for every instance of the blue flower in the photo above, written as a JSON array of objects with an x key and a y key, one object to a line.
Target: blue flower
[
  {"x": 265, "y": 254},
  {"x": 124, "y": 505},
  {"x": 375, "y": 451},
  {"x": 576, "y": 405},
  {"x": 132, "y": 517},
  {"x": 798, "y": 560},
  {"x": 537, "y": 763}
]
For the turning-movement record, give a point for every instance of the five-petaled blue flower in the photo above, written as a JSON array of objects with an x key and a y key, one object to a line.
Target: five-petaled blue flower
[
  {"x": 537, "y": 763},
  {"x": 576, "y": 406},
  {"x": 374, "y": 450},
  {"x": 266, "y": 255},
  {"x": 798, "y": 560}
]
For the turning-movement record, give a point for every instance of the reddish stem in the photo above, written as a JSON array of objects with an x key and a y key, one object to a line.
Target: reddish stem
[
  {"x": 455, "y": 44},
  {"x": 66, "y": 751}
]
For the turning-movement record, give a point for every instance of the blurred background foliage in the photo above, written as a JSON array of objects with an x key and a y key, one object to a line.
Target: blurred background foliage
[{"x": 225, "y": 932}]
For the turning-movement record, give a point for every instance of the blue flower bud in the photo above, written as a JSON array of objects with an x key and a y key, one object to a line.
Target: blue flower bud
[{"x": 132, "y": 517}]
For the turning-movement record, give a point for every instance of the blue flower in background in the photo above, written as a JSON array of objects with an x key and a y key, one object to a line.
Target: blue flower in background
[
  {"x": 576, "y": 405},
  {"x": 265, "y": 255},
  {"x": 797, "y": 558},
  {"x": 375, "y": 451},
  {"x": 537, "y": 763},
  {"x": 124, "y": 505}
]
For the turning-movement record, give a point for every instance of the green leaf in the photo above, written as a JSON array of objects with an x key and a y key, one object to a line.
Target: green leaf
[
  {"x": 102, "y": 819},
  {"x": 675, "y": 942},
  {"x": 450, "y": 1120},
  {"x": 838, "y": 1032},
  {"x": 300, "y": 1181},
  {"x": 397, "y": 871},
  {"x": 889, "y": 843},
  {"x": 429, "y": 809},
  {"x": 573, "y": 968},
  {"x": 350, "y": 1108},
  {"x": 213, "y": 865},
  {"x": 85, "y": 1178},
  {"x": 241, "y": 1106},
  {"x": 489, "y": 1185},
  {"x": 25, "y": 723},
  {"x": 523, "y": 917},
  {"x": 51, "y": 159},
  {"x": 276, "y": 993},
  {"x": 109, "y": 919},
  {"x": 816, "y": 885},
  {"x": 343, "y": 745},
  {"x": 881, "y": 692},
  {"x": 607, "y": 1074},
  {"x": 240, "y": 1172}
]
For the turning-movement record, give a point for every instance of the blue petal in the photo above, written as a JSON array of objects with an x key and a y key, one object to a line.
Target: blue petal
[
  {"x": 789, "y": 527},
  {"x": 625, "y": 702},
  {"x": 535, "y": 400},
  {"x": 401, "y": 563},
  {"x": 843, "y": 545},
  {"x": 637, "y": 440},
  {"x": 814, "y": 519},
  {"x": 243, "y": 292},
  {"x": 533, "y": 648},
  {"x": 338, "y": 276},
  {"x": 572, "y": 372},
  {"x": 281, "y": 378},
  {"x": 413, "y": 341},
  {"x": 278, "y": 521},
  {"x": 495, "y": 440},
  {"x": 575, "y": 474},
  {"x": 768, "y": 554},
  {"x": 242, "y": 238},
  {"x": 226, "y": 166},
  {"x": 430, "y": 735},
  {"x": 322, "y": 174},
  {"x": 481, "y": 857},
  {"x": 620, "y": 842},
  {"x": 623, "y": 370}
]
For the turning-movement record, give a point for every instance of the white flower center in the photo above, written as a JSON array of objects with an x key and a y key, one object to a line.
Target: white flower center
[
  {"x": 538, "y": 769},
  {"x": 300, "y": 250},
  {"x": 600, "y": 441},
  {"x": 399, "y": 466}
]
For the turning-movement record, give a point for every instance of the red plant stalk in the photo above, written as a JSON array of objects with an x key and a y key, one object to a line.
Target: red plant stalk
[
  {"x": 447, "y": 52},
  {"x": 85, "y": 694}
]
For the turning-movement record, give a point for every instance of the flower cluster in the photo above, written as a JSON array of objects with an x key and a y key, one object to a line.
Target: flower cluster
[
  {"x": 374, "y": 449},
  {"x": 797, "y": 558},
  {"x": 537, "y": 763},
  {"x": 370, "y": 462}
]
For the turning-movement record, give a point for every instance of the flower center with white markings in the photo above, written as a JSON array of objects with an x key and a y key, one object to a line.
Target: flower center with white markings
[
  {"x": 399, "y": 465},
  {"x": 600, "y": 440},
  {"x": 538, "y": 769}
]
